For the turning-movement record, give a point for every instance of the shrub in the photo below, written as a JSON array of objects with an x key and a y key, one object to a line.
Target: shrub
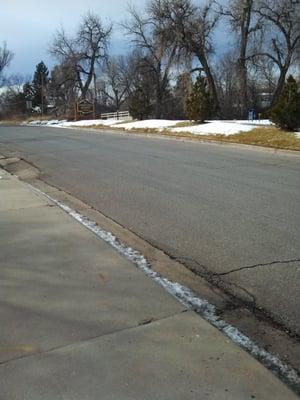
[
  {"x": 286, "y": 112},
  {"x": 199, "y": 104},
  {"x": 139, "y": 105}
]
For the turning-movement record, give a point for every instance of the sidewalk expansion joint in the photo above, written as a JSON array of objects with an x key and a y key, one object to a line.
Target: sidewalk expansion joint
[
  {"x": 83, "y": 341},
  {"x": 29, "y": 207}
]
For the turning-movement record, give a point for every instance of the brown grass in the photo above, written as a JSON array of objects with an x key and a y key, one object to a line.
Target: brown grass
[
  {"x": 39, "y": 118},
  {"x": 11, "y": 120},
  {"x": 185, "y": 124},
  {"x": 267, "y": 137},
  {"x": 263, "y": 136}
]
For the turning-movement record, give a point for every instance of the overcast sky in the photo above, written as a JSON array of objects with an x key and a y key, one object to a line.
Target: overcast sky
[{"x": 29, "y": 25}]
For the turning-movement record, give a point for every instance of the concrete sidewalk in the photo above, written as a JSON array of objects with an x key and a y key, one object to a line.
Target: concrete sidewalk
[{"x": 79, "y": 322}]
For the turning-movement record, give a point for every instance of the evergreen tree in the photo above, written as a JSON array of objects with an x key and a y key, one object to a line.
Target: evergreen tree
[
  {"x": 140, "y": 105},
  {"x": 39, "y": 85},
  {"x": 182, "y": 92},
  {"x": 199, "y": 106},
  {"x": 286, "y": 112}
]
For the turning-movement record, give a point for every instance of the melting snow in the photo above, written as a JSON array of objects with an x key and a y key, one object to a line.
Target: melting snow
[
  {"x": 150, "y": 124},
  {"x": 66, "y": 124},
  {"x": 209, "y": 128},
  {"x": 222, "y": 127},
  {"x": 106, "y": 122}
]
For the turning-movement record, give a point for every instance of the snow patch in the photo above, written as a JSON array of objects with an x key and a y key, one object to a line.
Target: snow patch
[
  {"x": 91, "y": 122},
  {"x": 70, "y": 124},
  {"x": 209, "y": 128},
  {"x": 149, "y": 124},
  {"x": 188, "y": 298},
  {"x": 222, "y": 127}
]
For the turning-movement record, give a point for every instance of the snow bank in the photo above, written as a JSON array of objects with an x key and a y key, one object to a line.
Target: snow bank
[
  {"x": 256, "y": 122},
  {"x": 222, "y": 127},
  {"x": 91, "y": 122},
  {"x": 209, "y": 128},
  {"x": 65, "y": 123},
  {"x": 149, "y": 124}
]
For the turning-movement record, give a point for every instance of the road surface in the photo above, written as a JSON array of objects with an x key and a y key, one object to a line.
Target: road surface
[{"x": 229, "y": 212}]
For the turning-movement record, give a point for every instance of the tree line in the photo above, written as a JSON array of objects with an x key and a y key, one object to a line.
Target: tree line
[{"x": 175, "y": 62}]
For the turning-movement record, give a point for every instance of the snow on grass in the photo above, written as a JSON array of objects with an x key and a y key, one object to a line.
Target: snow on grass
[
  {"x": 159, "y": 124},
  {"x": 222, "y": 127},
  {"x": 210, "y": 128},
  {"x": 259, "y": 122},
  {"x": 84, "y": 123},
  {"x": 92, "y": 122}
]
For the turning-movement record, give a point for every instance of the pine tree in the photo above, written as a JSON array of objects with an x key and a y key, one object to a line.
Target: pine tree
[
  {"x": 199, "y": 106},
  {"x": 286, "y": 112},
  {"x": 39, "y": 85},
  {"x": 139, "y": 105},
  {"x": 182, "y": 92}
]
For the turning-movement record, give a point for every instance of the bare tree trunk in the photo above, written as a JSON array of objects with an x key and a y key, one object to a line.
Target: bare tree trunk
[
  {"x": 240, "y": 14},
  {"x": 211, "y": 83},
  {"x": 243, "y": 88},
  {"x": 158, "y": 102},
  {"x": 279, "y": 86},
  {"x": 90, "y": 75},
  {"x": 242, "y": 66}
]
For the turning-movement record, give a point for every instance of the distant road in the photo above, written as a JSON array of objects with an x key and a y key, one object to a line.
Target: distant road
[{"x": 220, "y": 208}]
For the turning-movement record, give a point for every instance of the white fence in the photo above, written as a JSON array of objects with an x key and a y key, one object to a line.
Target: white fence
[{"x": 116, "y": 115}]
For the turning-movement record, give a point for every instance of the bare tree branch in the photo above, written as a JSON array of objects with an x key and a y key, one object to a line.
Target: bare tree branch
[
  {"x": 5, "y": 57},
  {"x": 85, "y": 50}
]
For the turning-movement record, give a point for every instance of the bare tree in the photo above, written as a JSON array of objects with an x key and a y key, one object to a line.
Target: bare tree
[
  {"x": 63, "y": 88},
  {"x": 84, "y": 50},
  {"x": 282, "y": 46},
  {"x": 246, "y": 25},
  {"x": 5, "y": 57},
  {"x": 117, "y": 78},
  {"x": 190, "y": 27},
  {"x": 12, "y": 101},
  {"x": 155, "y": 58},
  {"x": 228, "y": 88}
]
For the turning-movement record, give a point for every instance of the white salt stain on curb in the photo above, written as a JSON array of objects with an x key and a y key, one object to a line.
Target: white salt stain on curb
[{"x": 188, "y": 298}]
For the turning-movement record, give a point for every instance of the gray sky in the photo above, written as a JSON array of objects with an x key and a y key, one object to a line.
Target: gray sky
[{"x": 28, "y": 26}]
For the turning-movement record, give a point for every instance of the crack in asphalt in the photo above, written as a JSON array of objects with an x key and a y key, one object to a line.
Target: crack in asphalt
[
  {"x": 216, "y": 278},
  {"x": 256, "y": 266}
]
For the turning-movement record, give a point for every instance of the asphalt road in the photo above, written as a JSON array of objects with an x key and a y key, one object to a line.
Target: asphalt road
[{"x": 221, "y": 209}]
